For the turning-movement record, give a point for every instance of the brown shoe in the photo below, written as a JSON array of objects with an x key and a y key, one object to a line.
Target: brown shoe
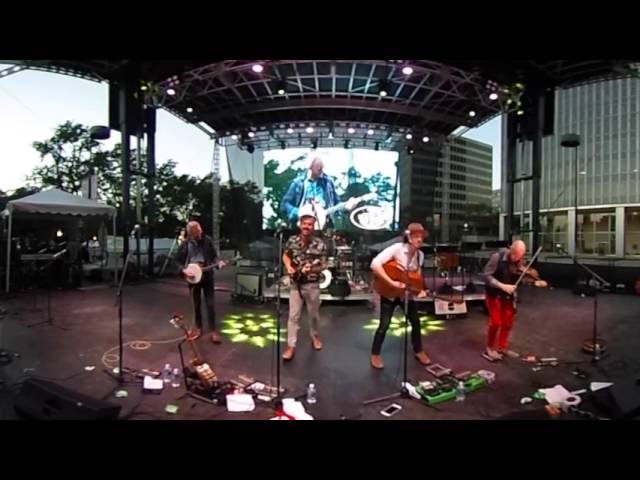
[
  {"x": 376, "y": 362},
  {"x": 423, "y": 358},
  {"x": 288, "y": 353},
  {"x": 317, "y": 344},
  {"x": 194, "y": 334},
  {"x": 216, "y": 338}
]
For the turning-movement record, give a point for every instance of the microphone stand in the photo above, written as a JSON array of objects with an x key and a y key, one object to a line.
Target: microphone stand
[
  {"x": 598, "y": 345},
  {"x": 278, "y": 275},
  {"x": 49, "y": 320}
]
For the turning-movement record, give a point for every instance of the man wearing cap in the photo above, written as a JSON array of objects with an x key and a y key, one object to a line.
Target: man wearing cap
[
  {"x": 304, "y": 257},
  {"x": 405, "y": 254}
]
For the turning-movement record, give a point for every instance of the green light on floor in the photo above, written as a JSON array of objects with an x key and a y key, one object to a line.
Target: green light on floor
[
  {"x": 231, "y": 331},
  {"x": 258, "y": 341},
  {"x": 265, "y": 316},
  {"x": 370, "y": 327},
  {"x": 266, "y": 324},
  {"x": 241, "y": 337},
  {"x": 396, "y": 328},
  {"x": 253, "y": 328},
  {"x": 434, "y": 328},
  {"x": 435, "y": 322},
  {"x": 235, "y": 317},
  {"x": 249, "y": 322},
  {"x": 249, "y": 315},
  {"x": 273, "y": 338}
]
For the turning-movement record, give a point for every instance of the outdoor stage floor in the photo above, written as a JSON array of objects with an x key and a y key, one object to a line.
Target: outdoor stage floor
[{"x": 550, "y": 323}]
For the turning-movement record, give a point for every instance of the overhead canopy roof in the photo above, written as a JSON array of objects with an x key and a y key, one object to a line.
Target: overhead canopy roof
[
  {"x": 437, "y": 97},
  {"x": 57, "y": 202}
]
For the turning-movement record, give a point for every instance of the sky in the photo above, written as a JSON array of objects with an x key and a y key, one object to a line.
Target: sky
[{"x": 33, "y": 104}]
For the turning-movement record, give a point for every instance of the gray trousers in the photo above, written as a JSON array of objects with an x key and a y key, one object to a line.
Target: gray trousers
[{"x": 310, "y": 296}]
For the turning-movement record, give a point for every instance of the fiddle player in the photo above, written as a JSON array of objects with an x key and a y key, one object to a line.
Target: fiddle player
[{"x": 501, "y": 273}]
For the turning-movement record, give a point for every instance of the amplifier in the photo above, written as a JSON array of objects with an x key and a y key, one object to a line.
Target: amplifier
[{"x": 248, "y": 284}]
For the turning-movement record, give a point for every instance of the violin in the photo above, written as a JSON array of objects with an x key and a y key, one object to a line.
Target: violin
[{"x": 531, "y": 275}]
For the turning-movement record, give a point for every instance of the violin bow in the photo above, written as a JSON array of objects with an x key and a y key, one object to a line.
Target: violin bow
[{"x": 524, "y": 272}]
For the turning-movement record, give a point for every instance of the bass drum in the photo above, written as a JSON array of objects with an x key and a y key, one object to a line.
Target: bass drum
[{"x": 326, "y": 278}]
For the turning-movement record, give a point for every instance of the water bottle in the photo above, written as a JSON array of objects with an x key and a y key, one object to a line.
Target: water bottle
[
  {"x": 166, "y": 373},
  {"x": 312, "y": 394},
  {"x": 460, "y": 392},
  {"x": 175, "y": 379}
]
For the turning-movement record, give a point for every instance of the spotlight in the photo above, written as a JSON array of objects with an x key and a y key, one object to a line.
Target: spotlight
[
  {"x": 472, "y": 113},
  {"x": 407, "y": 70},
  {"x": 351, "y": 130},
  {"x": 59, "y": 233},
  {"x": 251, "y": 148},
  {"x": 383, "y": 88},
  {"x": 410, "y": 150},
  {"x": 234, "y": 137},
  {"x": 493, "y": 96},
  {"x": 281, "y": 87},
  {"x": 143, "y": 87},
  {"x": 289, "y": 130},
  {"x": 408, "y": 136},
  {"x": 425, "y": 139},
  {"x": 171, "y": 91},
  {"x": 257, "y": 68},
  {"x": 370, "y": 131},
  {"x": 189, "y": 110},
  {"x": 520, "y": 112},
  {"x": 251, "y": 134},
  {"x": 309, "y": 130}
]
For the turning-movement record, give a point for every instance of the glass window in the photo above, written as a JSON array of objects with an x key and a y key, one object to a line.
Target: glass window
[
  {"x": 632, "y": 231},
  {"x": 554, "y": 230},
  {"x": 596, "y": 233}
]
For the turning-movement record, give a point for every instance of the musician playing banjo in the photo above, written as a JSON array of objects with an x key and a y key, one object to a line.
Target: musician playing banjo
[
  {"x": 406, "y": 253},
  {"x": 198, "y": 250}
]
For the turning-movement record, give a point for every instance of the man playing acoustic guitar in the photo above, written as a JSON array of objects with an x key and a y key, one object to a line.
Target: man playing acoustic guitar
[
  {"x": 199, "y": 249},
  {"x": 392, "y": 292}
]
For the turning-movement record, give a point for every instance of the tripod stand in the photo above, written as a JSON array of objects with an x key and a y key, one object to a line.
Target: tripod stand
[{"x": 47, "y": 266}]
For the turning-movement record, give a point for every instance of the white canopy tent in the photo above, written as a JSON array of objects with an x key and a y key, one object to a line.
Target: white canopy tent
[{"x": 52, "y": 202}]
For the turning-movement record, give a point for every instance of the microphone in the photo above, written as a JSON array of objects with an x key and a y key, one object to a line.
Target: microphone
[
  {"x": 280, "y": 230},
  {"x": 136, "y": 229}
]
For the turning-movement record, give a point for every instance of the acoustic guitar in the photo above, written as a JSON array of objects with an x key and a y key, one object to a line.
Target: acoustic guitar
[
  {"x": 202, "y": 369},
  {"x": 413, "y": 280}
]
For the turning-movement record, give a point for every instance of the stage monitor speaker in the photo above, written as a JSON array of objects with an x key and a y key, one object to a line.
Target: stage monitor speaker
[
  {"x": 42, "y": 400},
  {"x": 248, "y": 284},
  {"x": 619, "y": 401},
  {"x": 340, "y": 288},
  {"x": 443, "y": 307}
]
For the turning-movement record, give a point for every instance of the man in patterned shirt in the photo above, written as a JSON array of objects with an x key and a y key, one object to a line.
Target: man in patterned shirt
[{"x": 305, "y": 257}]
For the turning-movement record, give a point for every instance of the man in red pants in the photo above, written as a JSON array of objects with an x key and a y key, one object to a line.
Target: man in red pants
[{"x": 501, "y": 273}]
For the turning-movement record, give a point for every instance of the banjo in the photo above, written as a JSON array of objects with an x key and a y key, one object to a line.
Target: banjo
[{"x": 197, "y": 271}]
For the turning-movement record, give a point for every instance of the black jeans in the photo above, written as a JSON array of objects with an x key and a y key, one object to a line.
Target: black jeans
[
  {"x": 205, "y": 285},
  {"x": 386, "y": 311}
]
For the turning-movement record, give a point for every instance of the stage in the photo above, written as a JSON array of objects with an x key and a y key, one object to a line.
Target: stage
[{"x": 549, "y": 323}]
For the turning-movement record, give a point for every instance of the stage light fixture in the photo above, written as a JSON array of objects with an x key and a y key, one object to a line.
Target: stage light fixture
[
  {"x": 234, "y": 137},
  {"x": 383, "y": 88},
  {"x": 408, "y": 136},
  {"x": 189, "y": 110},
  {"x": 309, "y": 130},
  {"x": 257, "y": 68},
  {"x": 370, "y": 131},
  {"x": 425, "y": 139},
  {"x": 472, "y": 113},
  {"x": 407, "y": 70},
  {"x": 410, "y": 150},
  {"x": 351, "y": 130},
  {"x": 493, "y": 96},
  {"x": 251, "y": 134},
  {"x": 282, "y": 87},
  {"x": 289, "y": 130},
  {"x": 171, "y": 92}
]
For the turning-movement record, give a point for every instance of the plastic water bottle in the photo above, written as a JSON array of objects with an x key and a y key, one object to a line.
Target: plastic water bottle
[
  {"x": 312, "y": 394},
  {"x": 460, "y": 392},
  {"x": 175, "y": 378},
  {"x": 166, "y": 373}
]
